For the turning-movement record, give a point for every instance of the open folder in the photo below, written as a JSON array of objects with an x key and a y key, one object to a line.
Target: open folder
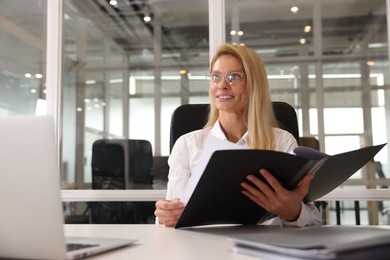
[{"x": 217, "y": 197}]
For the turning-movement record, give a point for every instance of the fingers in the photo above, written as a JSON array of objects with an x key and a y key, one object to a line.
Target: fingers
[
  {"x": 254, "y": 194},
  {"x": 273, "y": 197},
  {"x": 169, "y": 204},
  {"x": 262, "y": 194},
  {"x": 169, "y": 211},
  {"x": 274, "y": 183},
  {"x": 303, "y": 188},
  {"x": 269, "y": 188}
]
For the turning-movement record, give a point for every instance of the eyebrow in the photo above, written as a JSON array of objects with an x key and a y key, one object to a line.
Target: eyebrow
[{"x": 228, "y": 71}]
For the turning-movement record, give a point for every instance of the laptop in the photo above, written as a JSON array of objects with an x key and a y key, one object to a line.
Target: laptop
[{"x": 32, "y": 218}]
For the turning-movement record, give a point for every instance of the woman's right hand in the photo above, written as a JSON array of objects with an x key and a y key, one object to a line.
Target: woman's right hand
[{"x": 168, "y": 212}]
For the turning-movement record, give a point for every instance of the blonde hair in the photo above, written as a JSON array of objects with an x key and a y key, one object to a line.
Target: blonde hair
[{"x": 260, "y": 118}]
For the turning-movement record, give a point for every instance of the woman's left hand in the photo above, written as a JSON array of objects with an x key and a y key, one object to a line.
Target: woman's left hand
[{"x": 274, "y": 198}]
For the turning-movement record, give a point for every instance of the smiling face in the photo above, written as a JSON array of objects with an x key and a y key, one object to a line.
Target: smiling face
[{"x": 229, "y": 98}]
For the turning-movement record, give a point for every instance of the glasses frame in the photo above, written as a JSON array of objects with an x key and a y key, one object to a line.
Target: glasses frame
[{"x": 226, "y": 77}]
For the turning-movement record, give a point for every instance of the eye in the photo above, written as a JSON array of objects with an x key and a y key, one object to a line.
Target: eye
[
  {"x": 215, "y": 77},
  {"x": 234, "y": 77}
]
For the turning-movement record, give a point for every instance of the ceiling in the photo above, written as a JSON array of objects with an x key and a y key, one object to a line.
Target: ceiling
[
  {"x": 266, "y": 23},
  {"x": 349, "y": 26}
]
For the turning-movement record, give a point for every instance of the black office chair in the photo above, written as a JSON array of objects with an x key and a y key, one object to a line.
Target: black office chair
[
  {"x": 121, "y": 164},
  {"x": 309, "y": 141},
  {"x": 190, "y": 117}
]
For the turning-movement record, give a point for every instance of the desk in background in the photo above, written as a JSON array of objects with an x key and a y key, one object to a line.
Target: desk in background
[{"x": 336, "y": 195}]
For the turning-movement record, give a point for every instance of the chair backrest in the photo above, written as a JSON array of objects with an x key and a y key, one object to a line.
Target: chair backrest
[
  {"x": 121, "y": 164},
  {"x": 309, "y": 141},
  {"x": 190, "y": 117}
]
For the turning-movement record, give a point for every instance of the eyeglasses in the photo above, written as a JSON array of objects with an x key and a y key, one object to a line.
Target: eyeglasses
[{"x": 232, "y": 78}]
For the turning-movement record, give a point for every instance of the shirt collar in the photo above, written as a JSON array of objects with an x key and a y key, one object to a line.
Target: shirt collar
[{"x": 216, "y": 131}]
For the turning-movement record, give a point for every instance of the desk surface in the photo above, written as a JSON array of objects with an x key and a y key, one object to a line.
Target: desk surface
[{"x": 159, "y": 242}]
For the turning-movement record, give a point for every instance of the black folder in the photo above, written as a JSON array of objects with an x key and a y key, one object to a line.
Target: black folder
[{"x": 218, "y": 199}]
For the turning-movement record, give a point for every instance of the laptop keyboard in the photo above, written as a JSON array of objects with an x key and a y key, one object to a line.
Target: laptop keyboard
[{"x": 76, "y": 246}]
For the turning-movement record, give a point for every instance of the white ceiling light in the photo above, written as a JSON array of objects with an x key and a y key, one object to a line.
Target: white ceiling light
[
  {"x": 147, "y": 17},
  {"x": 294, "y": 9}
]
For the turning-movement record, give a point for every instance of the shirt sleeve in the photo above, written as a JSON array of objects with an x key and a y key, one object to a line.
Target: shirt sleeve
[
  {"x": 183, "y": 160},
  {"x": 179, "y": 170},
  {"x": 285, "y": 142},
  {"x": 309, "y": 216}
]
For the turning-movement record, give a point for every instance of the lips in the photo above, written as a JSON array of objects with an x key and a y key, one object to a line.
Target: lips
[{"x": 225, "y": 97}]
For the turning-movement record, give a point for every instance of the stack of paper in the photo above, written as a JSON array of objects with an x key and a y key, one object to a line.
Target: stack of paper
[{"x": 326, "y": 242}]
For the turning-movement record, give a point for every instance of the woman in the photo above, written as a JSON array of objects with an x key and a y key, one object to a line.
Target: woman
[{"x": 239, "y": 95}]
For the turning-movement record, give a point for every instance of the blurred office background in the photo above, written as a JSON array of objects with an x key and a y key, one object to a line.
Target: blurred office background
[{"x": 127, "y": 64}]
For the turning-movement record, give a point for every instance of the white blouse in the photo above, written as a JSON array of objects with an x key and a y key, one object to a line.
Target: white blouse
[{"x": 188, "y": 148}]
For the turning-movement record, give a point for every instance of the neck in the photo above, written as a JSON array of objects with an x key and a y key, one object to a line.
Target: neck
[{"x": 234, "y": 128}]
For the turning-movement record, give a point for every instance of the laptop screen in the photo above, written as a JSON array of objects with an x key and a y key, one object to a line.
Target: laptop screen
[{"x": 31, "y": 219}]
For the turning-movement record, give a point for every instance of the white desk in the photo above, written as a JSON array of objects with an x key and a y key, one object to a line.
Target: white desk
[{"x": 159, "y": 242}]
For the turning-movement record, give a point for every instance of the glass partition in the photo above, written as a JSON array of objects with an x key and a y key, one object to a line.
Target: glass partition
[
  {"x": 128, "y": 64},
  {"x": 329, "y": 60},
  {"x": 22, "y": 52},
  {"x": 124, "y": 70}
]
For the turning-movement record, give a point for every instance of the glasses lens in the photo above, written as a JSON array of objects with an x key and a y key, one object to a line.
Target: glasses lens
[
  {"x": 215, "y": 78},
  {"x": 234, "y": 77}
]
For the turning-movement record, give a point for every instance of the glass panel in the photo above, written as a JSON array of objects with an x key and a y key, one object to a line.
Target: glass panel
[
  {"x": 336, "y": 123},
  {"x": 342, "y": 74},
  {"x": 162, "y": 63},
  {"x": 142, "y": 114},
  {"x": 198, "y": 83},
  {"x": 123, "y": 76},
  {"x": 333, "y": 143},
  {"x": 354, "y": 27},
  {"x": 199, "y": 100},
  {"x": 273, "y": 30},
  {"x": 343, "y": 98},
  {"x": 378, "y": 115},
  {"x": 348, "y": 216},
  {"x": 344, "y": 84},
  {"x": 94, "y": 111},
  {"x": 168, "y": 105},
  {"x": 22, "y": 52}
]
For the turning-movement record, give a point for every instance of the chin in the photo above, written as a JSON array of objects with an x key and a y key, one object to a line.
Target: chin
[{"x": 224, "y": 106}]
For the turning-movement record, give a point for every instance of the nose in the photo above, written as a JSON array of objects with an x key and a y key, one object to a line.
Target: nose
[{"x": 224, "y": 83}]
